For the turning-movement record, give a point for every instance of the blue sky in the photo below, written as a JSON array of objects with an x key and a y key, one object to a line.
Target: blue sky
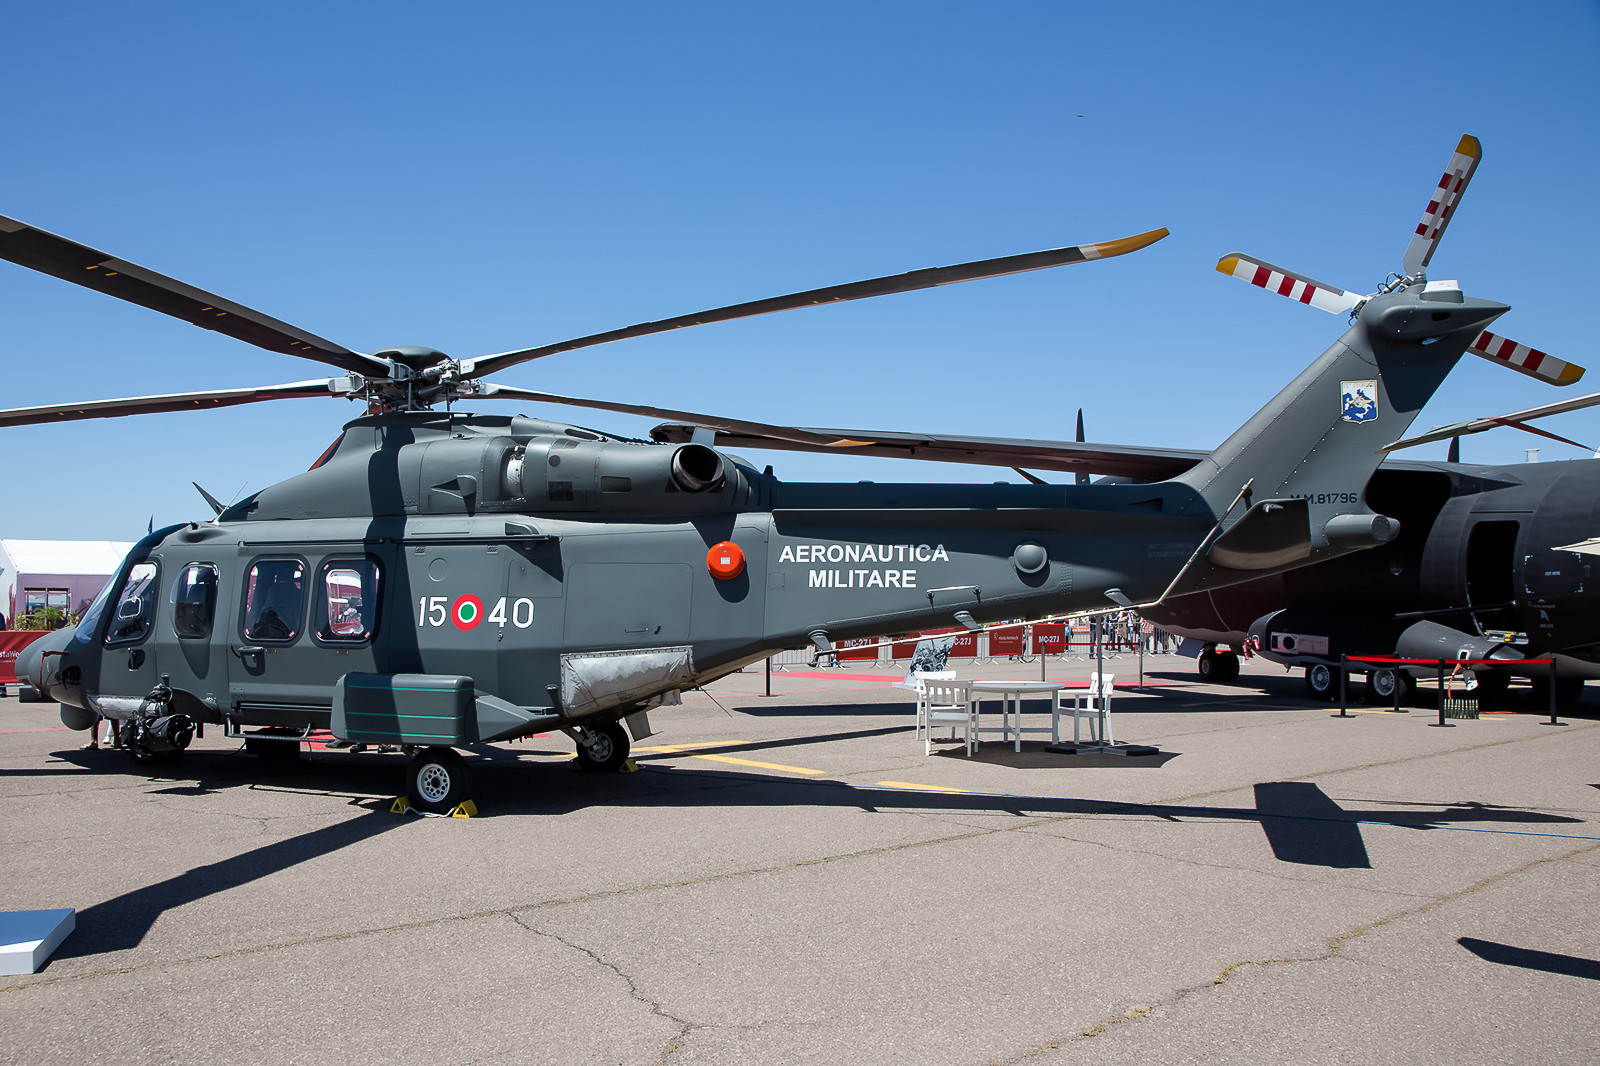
[{"x": 492, "y": 176}]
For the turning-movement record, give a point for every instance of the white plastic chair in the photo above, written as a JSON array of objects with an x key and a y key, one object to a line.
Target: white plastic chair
[
  {"x": 1092, "y": 705},
  {"x": 950, "y": 703},
  {"x": 920, "y": 679}
]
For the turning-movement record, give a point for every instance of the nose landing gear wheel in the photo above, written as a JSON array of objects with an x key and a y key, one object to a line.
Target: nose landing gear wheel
[
  {"x": 602, "y": 748},
  {"x": 1218, "y": 667},
  {"x": 437, "y": 780}
]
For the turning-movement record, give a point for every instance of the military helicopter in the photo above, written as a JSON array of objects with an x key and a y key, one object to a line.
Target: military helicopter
[{"x": 439, "y": 579}]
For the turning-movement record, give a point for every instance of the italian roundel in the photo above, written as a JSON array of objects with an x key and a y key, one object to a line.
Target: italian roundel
[{"x": 467, "y": 611}]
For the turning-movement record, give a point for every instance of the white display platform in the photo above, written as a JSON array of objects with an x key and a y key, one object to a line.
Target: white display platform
[{"x": 28, "y": 937}]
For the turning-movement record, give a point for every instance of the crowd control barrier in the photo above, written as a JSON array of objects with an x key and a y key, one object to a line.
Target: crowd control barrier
[{"x": 1514, "y": 665}]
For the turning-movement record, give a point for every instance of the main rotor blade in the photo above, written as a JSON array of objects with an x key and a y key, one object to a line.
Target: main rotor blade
[
  {"x": 174, "y": 401},
  {"x": 31, "y": 247},
  {"x": 1122, "y": 460},
  {"x": 1514, "y": 419},
  {"x": 814, "y": 438},
  {"x": 857, "y": 290},
  {"x": 1145, "y": 464}
]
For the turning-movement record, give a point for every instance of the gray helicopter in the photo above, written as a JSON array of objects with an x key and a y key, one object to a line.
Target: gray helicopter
[{"x": 441, "y": 579}]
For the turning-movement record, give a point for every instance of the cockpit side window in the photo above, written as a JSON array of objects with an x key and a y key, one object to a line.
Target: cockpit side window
[
  {"x": 136, "y": 606},
  {"x": 346, "y": 605},
  {"x": 194, "y": 601},
  {"x": 274, "y": 601}
]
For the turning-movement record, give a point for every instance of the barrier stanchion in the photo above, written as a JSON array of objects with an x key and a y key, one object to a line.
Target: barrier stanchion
[
  {"x": 769, "y": 675},
  {"x": 1553, "y": 720},
  {"x": 1441, "y": 722},
  {"x": 1344, "y": 688},
  {"x": 1398, "y": 685}
]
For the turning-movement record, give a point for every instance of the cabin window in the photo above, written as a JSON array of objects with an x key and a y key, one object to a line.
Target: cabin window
[
  {"x": 347, "y": 601},
  {"x": 274, "y": 600},
  {"x": 194, "y": 601},
  {"x": 136, "y": 606}
]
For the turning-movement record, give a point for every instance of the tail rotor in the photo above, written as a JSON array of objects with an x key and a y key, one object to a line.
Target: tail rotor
[{"x": 1442, "y": 203}]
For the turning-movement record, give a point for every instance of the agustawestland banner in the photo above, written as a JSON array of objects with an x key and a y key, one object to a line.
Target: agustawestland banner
[{"x": 13, "y": 641}]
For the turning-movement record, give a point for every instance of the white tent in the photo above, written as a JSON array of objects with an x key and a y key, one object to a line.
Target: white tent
[{"x": 68, "y": 567}]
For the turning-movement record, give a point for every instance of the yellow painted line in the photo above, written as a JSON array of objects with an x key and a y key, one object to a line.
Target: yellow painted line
[
  {"x": 760, "y": 765},
  {"x": 921, "y": 788},
  {"x": 673, "y": 749}
]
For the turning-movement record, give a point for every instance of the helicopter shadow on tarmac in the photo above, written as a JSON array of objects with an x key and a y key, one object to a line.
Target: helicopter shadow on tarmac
[{"x": 1302, "y": 824}]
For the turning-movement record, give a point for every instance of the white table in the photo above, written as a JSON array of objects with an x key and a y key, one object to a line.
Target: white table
[{"x": 1011, "y": 694}]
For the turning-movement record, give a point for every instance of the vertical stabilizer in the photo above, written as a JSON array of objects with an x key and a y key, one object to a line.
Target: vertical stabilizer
[{"x": 1318, "y": 440}]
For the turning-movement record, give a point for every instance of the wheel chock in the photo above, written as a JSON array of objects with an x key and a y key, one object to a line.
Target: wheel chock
[
  {"x": 628, "y": 767},
  {"x": 464, "y": 809}
]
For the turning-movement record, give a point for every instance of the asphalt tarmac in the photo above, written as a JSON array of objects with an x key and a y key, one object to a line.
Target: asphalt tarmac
[{"x": 788, "y": 879}]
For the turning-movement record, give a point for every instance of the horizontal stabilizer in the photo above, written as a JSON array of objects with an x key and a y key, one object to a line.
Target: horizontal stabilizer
[
  {"x": 1296, "y": 287},
  {"x": 1525, "y": 360}
]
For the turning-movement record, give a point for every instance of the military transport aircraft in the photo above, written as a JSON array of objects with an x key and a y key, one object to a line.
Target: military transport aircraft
[{"x": 439, "y": 579}]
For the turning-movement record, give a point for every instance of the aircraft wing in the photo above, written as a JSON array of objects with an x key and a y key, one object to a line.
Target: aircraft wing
[{"x": 1120, "y": 460}]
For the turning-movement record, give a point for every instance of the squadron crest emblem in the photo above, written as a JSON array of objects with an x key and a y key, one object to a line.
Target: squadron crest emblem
[{"x": 1358, "y": 401}]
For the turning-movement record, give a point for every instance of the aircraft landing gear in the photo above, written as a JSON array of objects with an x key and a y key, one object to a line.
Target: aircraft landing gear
[
  {"x": 1218, "y": 667},
  {"x": 601, "y": 748},
  {"x": 1382, "y": 682},
  {"x": 437, "y": 780},
  {"x": 1491, "y": 687},
  {"x": 154, "y": 740},
  {"x": 1568, "y": 691},
  {"x": 1322, "y": 681}
]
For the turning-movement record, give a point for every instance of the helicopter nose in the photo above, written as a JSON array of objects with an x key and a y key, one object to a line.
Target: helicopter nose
[{"x": 31, "y": 668}]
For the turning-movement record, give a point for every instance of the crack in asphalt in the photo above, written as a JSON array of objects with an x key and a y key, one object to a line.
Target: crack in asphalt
[
  {"x": 685, "y": 1027},
  {"x": 429, "y": 923},
  {"x": 1335, "y": 950}
]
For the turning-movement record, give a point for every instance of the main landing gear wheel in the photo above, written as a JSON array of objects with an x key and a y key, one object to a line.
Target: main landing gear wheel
[
  {"x": 1382, "y": 682},
  {"x": 603, "y": 747},
  {"x": 1568, "y": 691},
  {"x": 148, "y": 757},
  {"x": 1218, "y": 667},
  {"x": 437, "y": 780},
  {"x": 1322, "y": 681}
]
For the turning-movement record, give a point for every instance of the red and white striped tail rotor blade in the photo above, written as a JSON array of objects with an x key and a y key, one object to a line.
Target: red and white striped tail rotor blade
[
  {"x": 1442, "y": 204},
  {"x": 1525, "y": 360},
  {"x": 1296, "y": 287}
]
